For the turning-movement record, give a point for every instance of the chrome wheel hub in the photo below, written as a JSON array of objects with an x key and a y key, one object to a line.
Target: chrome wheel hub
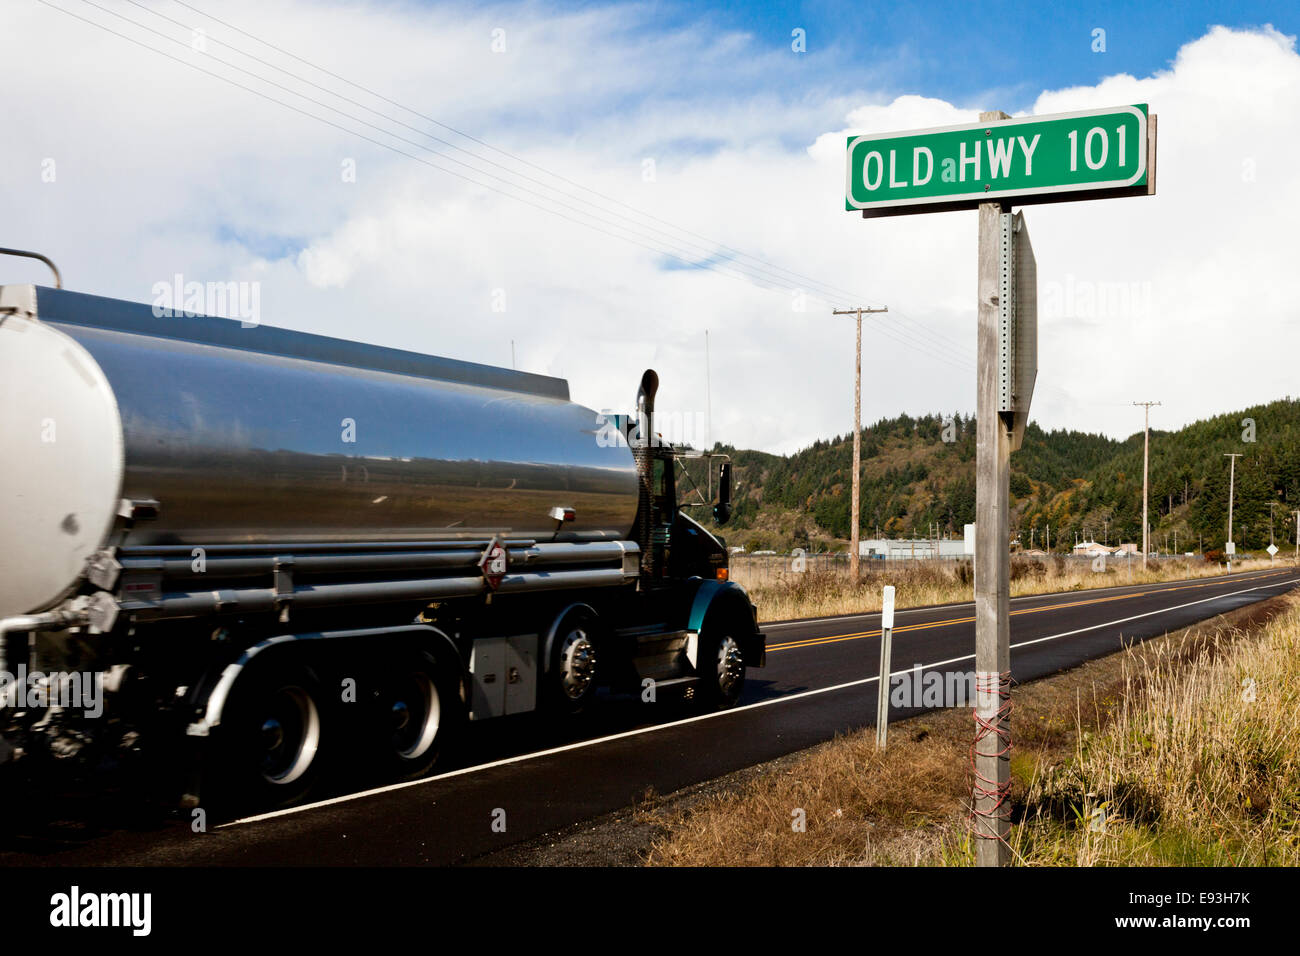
[
  {"x": 731, "y": 666},
  {"x": 290, "y": 735},
  {"x": 577, "y": 664},
  {"x": 417, "y": 714}
]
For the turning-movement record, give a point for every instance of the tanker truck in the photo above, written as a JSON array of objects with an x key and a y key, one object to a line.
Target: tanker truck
[{"x": 280, "y": 556}]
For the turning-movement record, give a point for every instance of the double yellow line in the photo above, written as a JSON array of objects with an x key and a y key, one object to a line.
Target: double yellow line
[{"x": 858, "y": 635}]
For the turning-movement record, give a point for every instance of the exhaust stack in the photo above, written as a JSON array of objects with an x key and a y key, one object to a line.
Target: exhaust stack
[{"x": 642, "y": 441}]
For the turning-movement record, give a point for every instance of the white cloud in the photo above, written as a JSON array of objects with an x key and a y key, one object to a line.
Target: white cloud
[{"x": 162, "y": 169}]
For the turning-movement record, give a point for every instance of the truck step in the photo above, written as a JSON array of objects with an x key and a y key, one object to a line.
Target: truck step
[{"x": 675, "y": 688}]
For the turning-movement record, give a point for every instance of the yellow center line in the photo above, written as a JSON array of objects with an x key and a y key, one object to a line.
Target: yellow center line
[{"x": 930, "y": 625}]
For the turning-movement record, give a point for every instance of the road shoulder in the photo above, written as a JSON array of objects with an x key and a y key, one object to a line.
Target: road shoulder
[{"x": 859, "y": 806}]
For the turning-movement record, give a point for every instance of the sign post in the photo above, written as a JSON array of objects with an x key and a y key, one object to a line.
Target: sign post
[
  {"x": 992, "y": 557},
  {"x": 1093, "y": 154}
]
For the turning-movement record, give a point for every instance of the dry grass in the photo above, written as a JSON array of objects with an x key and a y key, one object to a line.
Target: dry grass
[
  {"x": 855, "y": 810},
  {"x": 1161, "y": 739},
  {"x": 789, "y": 596},
  {"x": 1202, "y": 767}
]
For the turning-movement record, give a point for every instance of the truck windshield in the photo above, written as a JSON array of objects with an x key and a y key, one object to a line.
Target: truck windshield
[{"x": 692, "y": 482}]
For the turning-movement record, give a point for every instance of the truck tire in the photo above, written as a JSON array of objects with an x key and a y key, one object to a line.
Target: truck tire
[
  {"x": 268, "y": 746},
  {"x": 574, "y": 673},
  {"x": 720, "y": 665},
  {"x": 419, "y": 714}
]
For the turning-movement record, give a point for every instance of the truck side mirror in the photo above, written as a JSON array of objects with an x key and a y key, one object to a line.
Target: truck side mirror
[{"x": 722, "y": 510}]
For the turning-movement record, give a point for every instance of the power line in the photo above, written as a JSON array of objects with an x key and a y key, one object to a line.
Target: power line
[
  {"x": 828, "y": 291},
  {"x": 758, "y": 274},
  {"x": 711, "y": 250},
  {"x": 344, "y": 129},
  {"x": 361, "y": 135},
  {"x": 917, "y": 336},
  {"x": 721, "y": 246},
  {"x": 938, "y": 349}
]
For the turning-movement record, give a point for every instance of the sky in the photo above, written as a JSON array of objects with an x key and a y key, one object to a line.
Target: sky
[{"x": 585, "y": 189}]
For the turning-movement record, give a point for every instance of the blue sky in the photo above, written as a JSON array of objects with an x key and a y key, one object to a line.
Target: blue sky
[
  {"x": 957, "y": 50},
  {"x": 974, "y": 55},
  {"x": 669, "y": 127}
]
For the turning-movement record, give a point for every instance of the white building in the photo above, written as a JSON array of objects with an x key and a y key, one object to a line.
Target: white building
[
  {"x": 1091, "y": 549},
  {"x": 908, "y": 549}
]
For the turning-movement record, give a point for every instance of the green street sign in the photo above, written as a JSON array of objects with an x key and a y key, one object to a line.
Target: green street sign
[{"x": 1065, "y": 156}]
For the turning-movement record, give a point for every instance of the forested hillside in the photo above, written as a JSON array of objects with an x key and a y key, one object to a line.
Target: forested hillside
[{"x": 920, "y": 472}]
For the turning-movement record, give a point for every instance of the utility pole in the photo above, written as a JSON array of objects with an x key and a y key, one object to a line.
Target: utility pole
[
  {"x": 1146, "y": 458},
  {"x": 1232, "y": 484},
  {"x": 857, "y": 439},
  {"x": 1297, "y": 537}
]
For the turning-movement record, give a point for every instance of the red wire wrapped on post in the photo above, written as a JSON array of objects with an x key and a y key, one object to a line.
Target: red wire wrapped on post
[{"x": 986, "y": 684}]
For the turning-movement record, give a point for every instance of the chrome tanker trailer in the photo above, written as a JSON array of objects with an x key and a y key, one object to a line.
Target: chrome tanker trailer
[{"x": 275, "y": 553}]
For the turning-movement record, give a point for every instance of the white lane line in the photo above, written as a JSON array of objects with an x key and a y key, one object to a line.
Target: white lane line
[
  {"x": 1241, "y": 576},
  {"x": 583, "y": 744}
]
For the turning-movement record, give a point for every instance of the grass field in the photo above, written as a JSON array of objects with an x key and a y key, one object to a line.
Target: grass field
[
  {"x": 1200, "y": 767},
  {"x": 784, "y": 595}
]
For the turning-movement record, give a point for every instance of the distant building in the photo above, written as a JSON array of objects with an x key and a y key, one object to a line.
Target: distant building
[
  {"x": 907, "y": 549},
  {"x": 1091, "y": 549}
]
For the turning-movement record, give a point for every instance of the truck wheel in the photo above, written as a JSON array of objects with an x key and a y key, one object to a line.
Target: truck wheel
[
  {"x": 721, "y": 668},
  {"x": 268, "y": 745},
  {"x": 575, "y": 665},
  {"x": 418, "y": 715}
]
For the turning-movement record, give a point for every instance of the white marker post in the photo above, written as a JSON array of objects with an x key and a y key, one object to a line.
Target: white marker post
[{"x": 886, "y": 642}]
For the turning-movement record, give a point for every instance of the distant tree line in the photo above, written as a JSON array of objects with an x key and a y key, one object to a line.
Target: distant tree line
[{"x": 919, "y": 474}]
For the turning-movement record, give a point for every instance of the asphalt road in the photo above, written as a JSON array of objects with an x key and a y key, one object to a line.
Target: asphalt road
[{"x": 534, "y": 778}]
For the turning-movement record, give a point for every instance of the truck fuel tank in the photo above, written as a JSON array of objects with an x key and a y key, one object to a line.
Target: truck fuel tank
[{"x": 265, "y": 436}]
